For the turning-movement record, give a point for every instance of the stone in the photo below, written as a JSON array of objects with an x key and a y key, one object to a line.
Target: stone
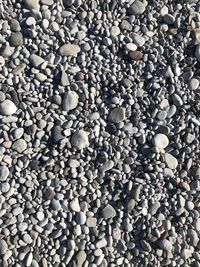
[
  {"x": 20, "y": 145},
  {"x": 130, "y": 205},
  {"x": 170, "y": 161},
  {"x": 135, "y": 55},
  {"x": 14, "y": 25},
  {"x": 70, "y": 101},
  {"x": 197, "y": 52},
  {"x": 64, "y": 79},
  {"x": 47, "y": 2},
  {"x": 16, "y": 39},
  {"x": 29, "y": 259},
  {"x": 3, "y": 247},
  {"x": 193, "y": 84},
  {"x": 80, "y": 140},
  {"x": 81, "y": 218},
  {"x": 137, "y": 8},
  {"x": 114, "y": 31},
  {"x": 36, "y": 60},
  {"x": 4, "y": 172},
  {"x": 108, "y": 165},
  {"x": 108, "y": 212},
  {"x": 177, "y": 100},
  {"x": 69, "y": 50},
  {"x": 7, "y": 107},
  {"x": 91, "y": 222},
  {"x": 32, "y": 4},
  {"x": 169, "y": 19},
  {"x": 139, "y": 41},
  {"x": 55, "y": 204},
  {"x": 117, "y": 115},
  {"x": 74, "y": 205},
  {"x": 49, "y": 193},
  {"x": 131, "y": 47},
  {"x": 57, "y": 134},
  {"x": 101, "y": 243},
  {"x": 125, "y": 25},
  {"x": 160, "y": 141},
  {"x": 80, "y": 258},
  {"x": 165, "y": 245}
]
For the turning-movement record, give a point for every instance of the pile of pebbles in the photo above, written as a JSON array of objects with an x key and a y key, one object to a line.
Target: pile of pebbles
[{"x": 99, "y": 133}]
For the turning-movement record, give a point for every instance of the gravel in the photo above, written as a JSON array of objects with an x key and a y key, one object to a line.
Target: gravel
[{"x": 99, "y": 140}]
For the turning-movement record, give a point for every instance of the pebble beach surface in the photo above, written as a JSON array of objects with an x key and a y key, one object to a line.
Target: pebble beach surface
[{"x": 99, "y": 133}]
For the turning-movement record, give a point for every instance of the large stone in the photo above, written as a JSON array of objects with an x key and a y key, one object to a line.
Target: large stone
[
  {"x": 69, "y": 50},
  {"x": 36, "y": 60},
  {"x": 170, "y": 161},
  {"x": 117, "y": 115},
  {"x": 20, "y": 145},
  {"x": 4, "y": 172},
  {"x": 70, "y": 101},
  {"x": 108, "y": 212},
  {"x": 7, "y": 107},
  {"x": 3, "y": 247},
  {"x": 165, "y": 245},
  {"x": 80, "y": 139},
  {"x": 80, "y": 259},
  {"x": 137, "y": 8},
  {"x": 160, "y": 141},
  {"x": 16, "y": 39}
]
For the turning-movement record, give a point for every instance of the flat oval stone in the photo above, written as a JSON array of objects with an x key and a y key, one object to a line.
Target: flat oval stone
[
  {"x": 108, "y": 212},
  {"x": 137, "y": 8},
  {"x": 3, "y": 247}
]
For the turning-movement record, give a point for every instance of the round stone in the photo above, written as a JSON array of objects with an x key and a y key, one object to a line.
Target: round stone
[
  {"x": 7, "y": 107},
  {"x": 165, "y": 245},
  {"x": 74, "y": 205},
  {"x": 3, "y": 247},
  {"x": 115, "y": 31},
  {"x": 193, "y": 84},
  {"x": 160, "y": 141},
  {"x": 80, "y": 140}
]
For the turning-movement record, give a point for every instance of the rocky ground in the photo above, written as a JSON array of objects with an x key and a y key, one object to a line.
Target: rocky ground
[{"x": 99, "y": 133}]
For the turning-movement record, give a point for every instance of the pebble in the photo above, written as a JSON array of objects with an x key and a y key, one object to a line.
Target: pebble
[
  {"x": 32, "y": 4},
  {"x": 139, "y": 41},
  {"x": 131, "y": 47},
  {"x": 101, "y": 243},
  {"x": 165, "y": 245},
  {"x": 16, "y": 39},
  {"x": 160, "y": 141},
  {"x": 69, "y": 50},
  {"x": 136, "y": 55},
  {"x": 4, "y": 173},
  {"x": 70, "y": 101},
  {"x": 91, "y": 222},
  {"x": 108, "y": 212},
  {"x": 20, "y": 145},
  {"x": 80, "y": 140},
  {"x": 80, "y": 258},
  {"x": 114, "y": 31},
  {"x": 74, "y": 205},
  {"x": 3, "y": 247},
  {"x": 197, "y": 52},
  {"x": 117, "y": 115},
  {"x": 7, "y": 107},
  {"x": 193, "y": 84},
  {"x": 137, "y": 8},
  {"x": 170, "y": 161},
  {"x": 36, "y": 60},
  {"x": 81, "y": 218}
]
